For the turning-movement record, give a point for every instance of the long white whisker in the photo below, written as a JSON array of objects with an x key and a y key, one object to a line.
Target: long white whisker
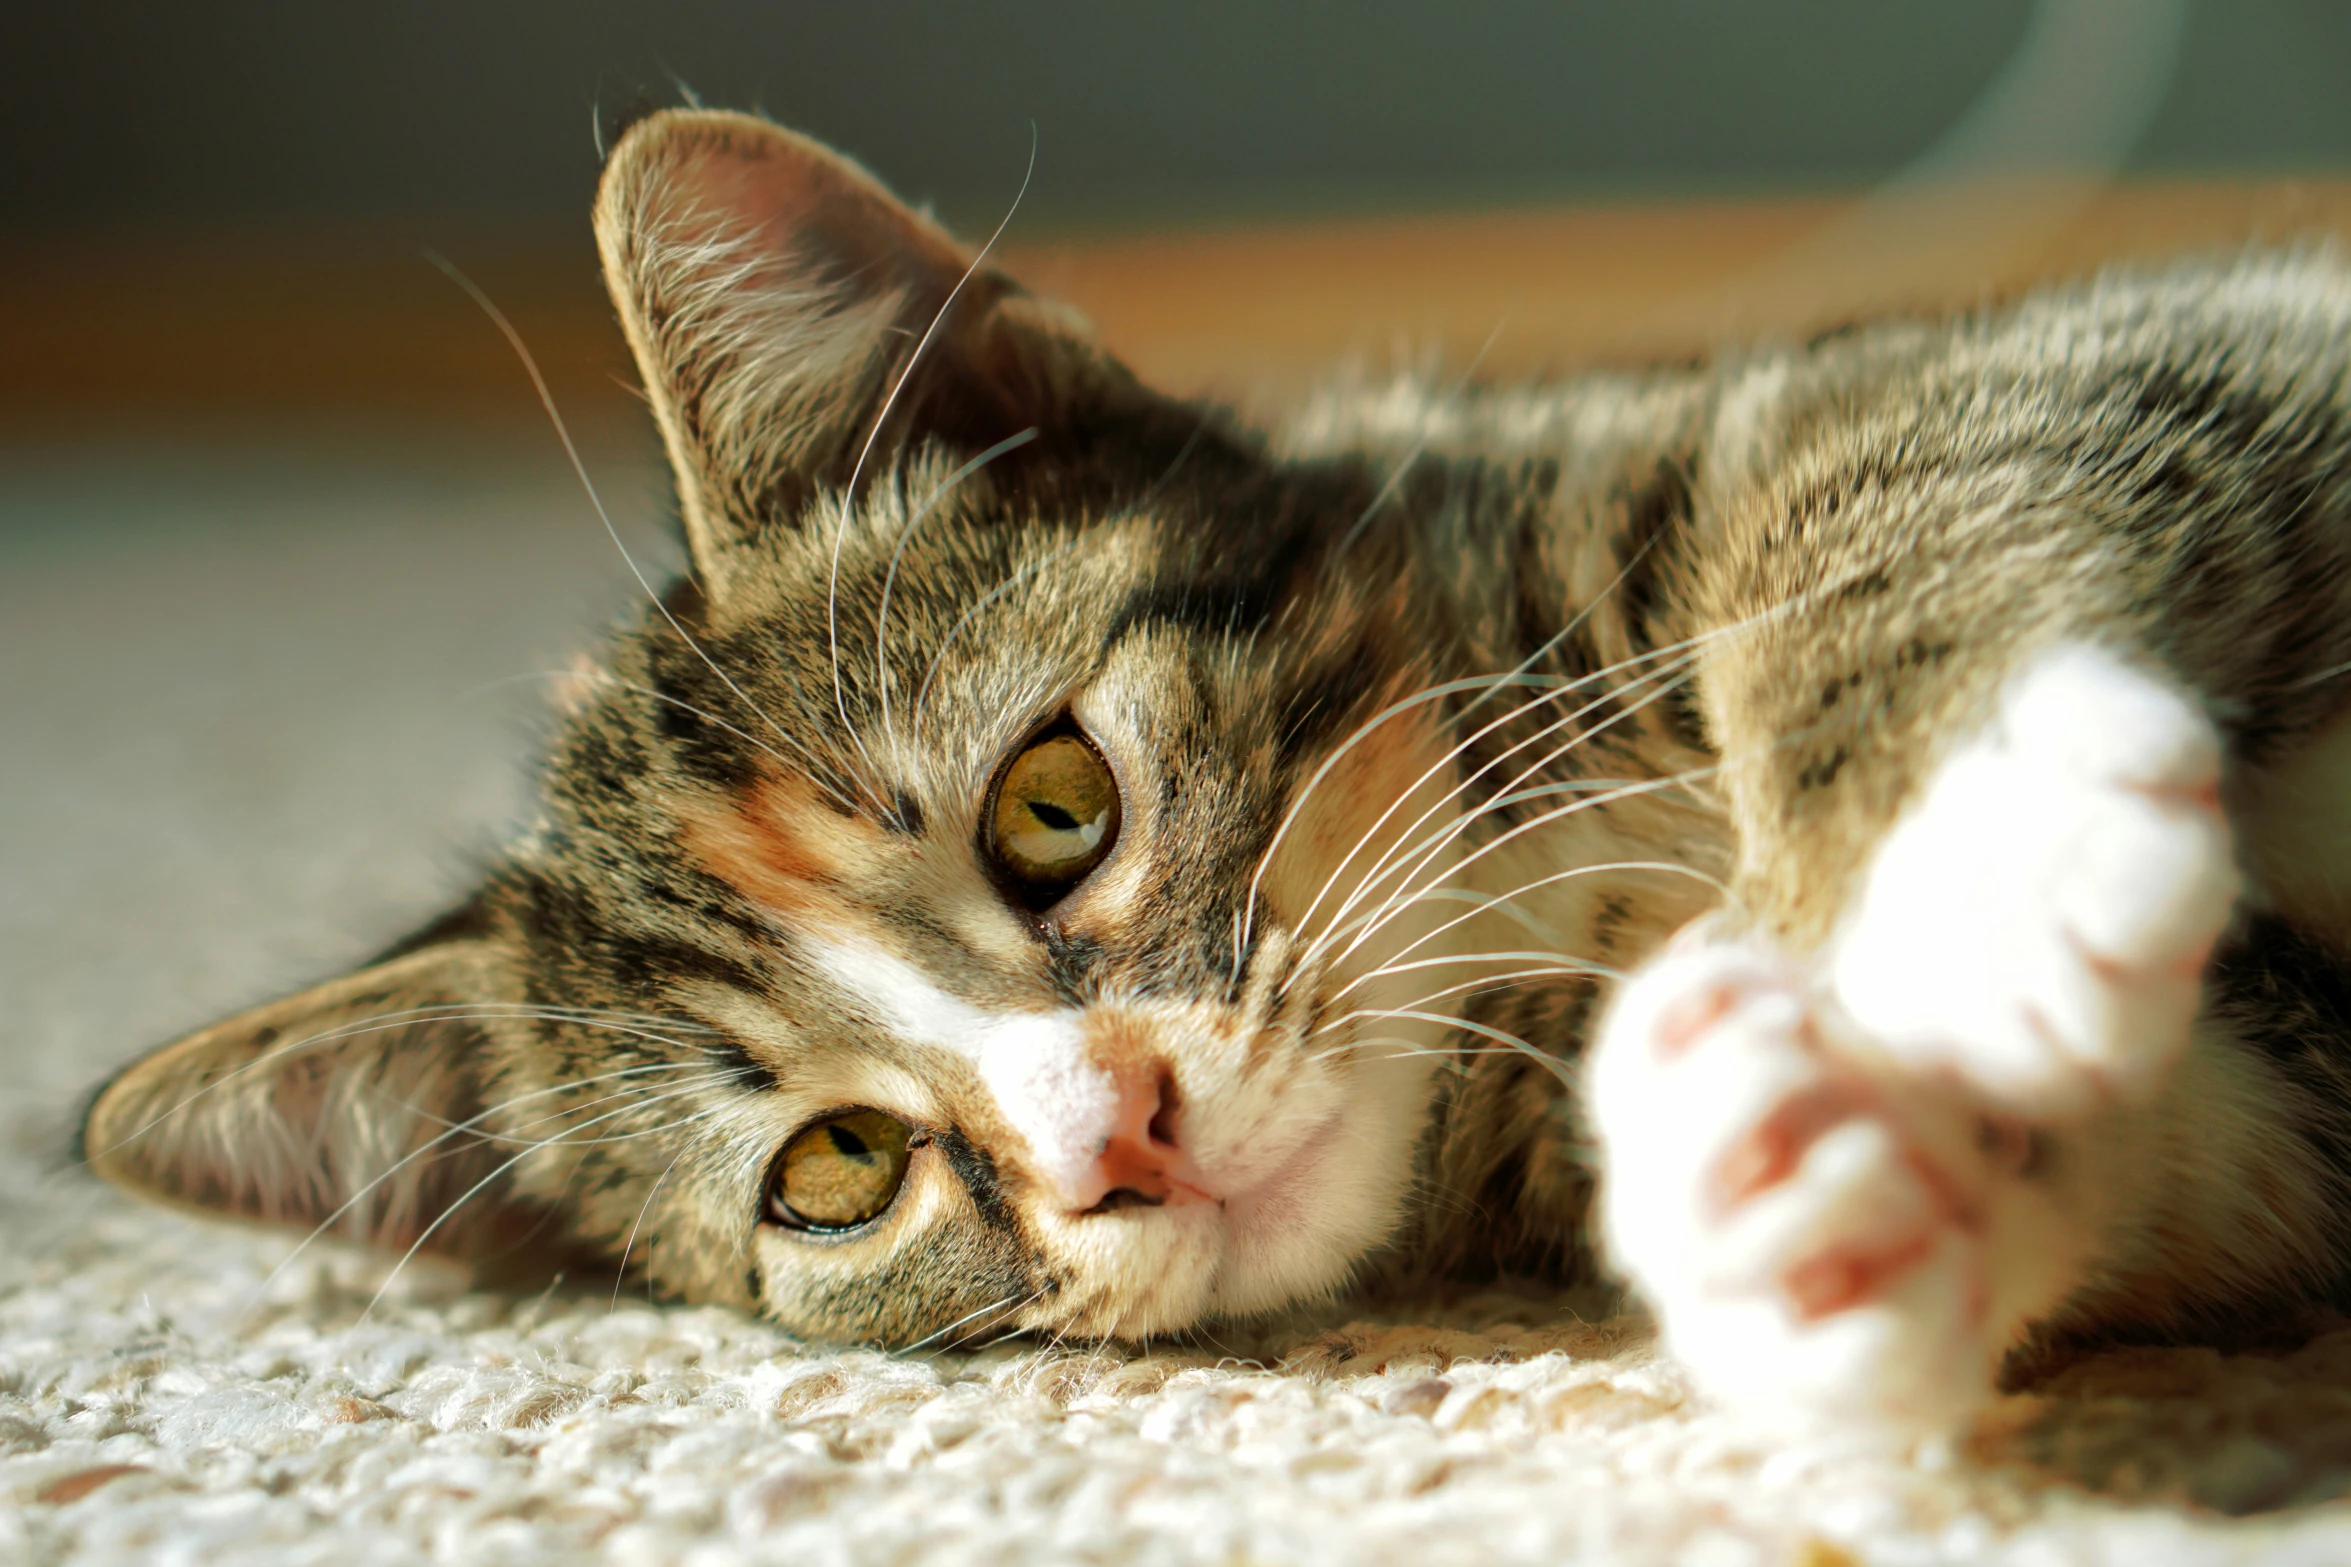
[
  {"x": 1561, "y": 965},
  {"x": 1480, "y": 985},
  {"x": 620, "y": 1274},
  {"x": 1016, "y": 1330},
  {"x": 563, "y": 433},
  {"x": 1681, "y": 655},
  {"x": 1422, "y": 854},
  {"x": 1549, "y": 646},
  {"x": 983, "y": 601},
  {"x": 1373, "y": 876},
  {"x": 1666, "y": 867},
  {"x": 1785, "y": 606},
  {"x": 1545, "y": 819},
  {"x": 325, "y": 1225},
  {"x": 444, "y": 1013},
  {"x": 673, "y": 1089},
  {"x": 1404, "y": 894},
  {"x": 1015, "y": 1301},
  {"x": 474, "y": 1191},
  {"x": 1675, "y": 652},
  {"x": 1406, "y": 1047},
  {"x": 1387, "y": 491},
  {"x": 1549, "y": 965},
  {"x": 832, "y": 605},
  {"x": 881, "y": 632},
  {"x": 1647, "y": 786},
  {"x": 1575, "y": 622},
  {"x": 1363, "y": 731},
  {"x": 1549, "y": 1063}
]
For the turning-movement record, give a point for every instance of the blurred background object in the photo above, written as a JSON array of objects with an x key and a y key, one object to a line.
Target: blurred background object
[{"x": 217, "y": 211}]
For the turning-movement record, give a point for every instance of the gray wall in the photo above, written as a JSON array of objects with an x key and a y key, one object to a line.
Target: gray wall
[{"x": 143, "y": 110}]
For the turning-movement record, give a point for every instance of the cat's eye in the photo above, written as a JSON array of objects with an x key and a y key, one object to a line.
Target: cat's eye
[
  {"x": 840, "y": 1172},
  {"x": 1055, "y": 816}
]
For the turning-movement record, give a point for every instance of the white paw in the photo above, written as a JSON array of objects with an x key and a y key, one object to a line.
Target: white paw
[
  {"x": 2040, "y": 920},
  {"x": 1821, "y": 1240}
]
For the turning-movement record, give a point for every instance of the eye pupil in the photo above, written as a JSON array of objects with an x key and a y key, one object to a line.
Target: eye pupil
[
  {"x": 1053, "y": 816},
  {"x": 847, "y": 1142}
]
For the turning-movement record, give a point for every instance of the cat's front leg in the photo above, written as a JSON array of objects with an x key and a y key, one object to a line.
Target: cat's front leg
[
  {"x": 1833, "y": 1175},
  {"x": 2040, "y": 920}
]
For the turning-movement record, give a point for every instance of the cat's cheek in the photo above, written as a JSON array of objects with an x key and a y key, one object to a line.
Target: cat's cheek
[
  {"x": 1304, "y": 1227},
  {"x": 933, "y": 1259}
]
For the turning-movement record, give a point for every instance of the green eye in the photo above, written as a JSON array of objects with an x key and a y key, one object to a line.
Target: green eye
[
  {"x": 840, "y": 1172},
  {"x": 1055, "y": 816}
]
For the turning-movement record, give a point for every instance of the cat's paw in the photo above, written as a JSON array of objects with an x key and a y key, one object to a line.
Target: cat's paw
[
  {"x": 2039, "y": 921},
  {"x": 1821, "y": 1239}
]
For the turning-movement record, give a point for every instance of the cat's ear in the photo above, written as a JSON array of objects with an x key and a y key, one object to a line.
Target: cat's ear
[
  {"x": 349, "y": 1108},
  {"x": 775, "y": 295}
]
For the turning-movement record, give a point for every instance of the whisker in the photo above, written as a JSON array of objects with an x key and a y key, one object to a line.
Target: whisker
[
  {"x": 832, "y": 606},
  {"x": 1363, "y": 731},
  {"x": 1665, "y": 867},
  {"x": 1014, "y": 1301},
  {"x": 881, "y": 634},
  {"x": 1549, "y": 965},
  {"x": 607, "y": 677},
  {"x": 1387, "y": 491},
  {"x": 1546, "y": 818},
  {"x": 1561, "y": 964},
  {"x": 1542, "y": 1058},
  {"x": 1549, "y": 646},
  {"x": 467, "y": 1196},
  {"x": 563, "y": 434},
  {"x": 516, "y": 1140},
  {"x": 1485, "y": 984},
  {"x": 1423, "y": 853},
  {"x": 620, "y": 1274},
  {"x": 1191, "y": 444},
  {"x": 1686, "y": 645},
  {"x": 978, "y": 604},
  {"x": 464, "y": 1012},
  {"x": 1680, "y": 656},
  {"x": 1404, "y": 1047},
  {"x": 1372, "y": 876},
  {"x": 1557, "y": 639},
  {"x": 1673, "y": 651},
  {"x": 327, "y": 1224}
]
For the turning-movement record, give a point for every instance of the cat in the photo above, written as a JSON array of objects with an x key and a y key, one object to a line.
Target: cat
[{"x": 1848, "y": 836}]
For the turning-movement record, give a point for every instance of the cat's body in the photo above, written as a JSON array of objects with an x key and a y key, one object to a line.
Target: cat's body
[{"x": 1067, "y": 862}]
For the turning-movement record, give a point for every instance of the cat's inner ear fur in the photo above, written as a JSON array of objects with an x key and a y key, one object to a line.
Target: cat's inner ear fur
[
  {"x": 350, "y": 1108},
  {"x": 775, "y": 295}
]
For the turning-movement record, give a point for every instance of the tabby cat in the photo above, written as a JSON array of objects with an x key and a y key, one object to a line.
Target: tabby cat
[{"x": 1855, "y": 838}]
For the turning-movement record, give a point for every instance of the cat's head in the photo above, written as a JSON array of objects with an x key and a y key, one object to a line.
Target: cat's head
[{"x": 976, "y": 898}]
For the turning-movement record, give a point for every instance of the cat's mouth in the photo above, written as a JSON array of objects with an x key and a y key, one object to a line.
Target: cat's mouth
[{"x": 1272, "y": 1194}]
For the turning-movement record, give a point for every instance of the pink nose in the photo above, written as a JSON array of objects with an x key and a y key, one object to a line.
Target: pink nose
[{"x": 1140, "y": 1165}]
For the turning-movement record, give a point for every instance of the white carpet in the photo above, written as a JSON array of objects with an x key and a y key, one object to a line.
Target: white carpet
[{"x": 249, "y": 727}]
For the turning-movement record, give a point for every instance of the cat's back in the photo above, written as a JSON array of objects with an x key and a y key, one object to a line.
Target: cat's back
[
  {"x": 2252, "y": 339},
  {"x": 2248, "y": 351}
]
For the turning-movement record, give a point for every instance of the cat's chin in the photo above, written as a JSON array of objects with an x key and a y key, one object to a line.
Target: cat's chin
[
  {"x": 1300, "y": 1229},
  {"x": 1284, "y": 1238}
]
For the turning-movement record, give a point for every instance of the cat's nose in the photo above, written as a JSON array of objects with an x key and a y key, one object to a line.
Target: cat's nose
[{"x": 1141, "y": 1164}]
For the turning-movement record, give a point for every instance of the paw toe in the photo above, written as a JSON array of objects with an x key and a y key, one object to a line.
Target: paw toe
[
  {"x": 2104, "y": 720},
  {"x": 1842, "y": 1278}
]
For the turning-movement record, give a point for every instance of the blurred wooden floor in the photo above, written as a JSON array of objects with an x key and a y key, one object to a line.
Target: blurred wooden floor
[{"x": 127, "y": 329}]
